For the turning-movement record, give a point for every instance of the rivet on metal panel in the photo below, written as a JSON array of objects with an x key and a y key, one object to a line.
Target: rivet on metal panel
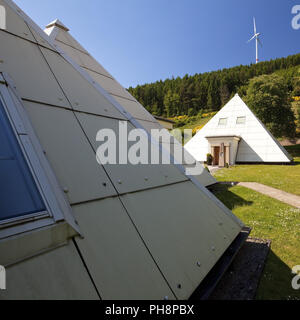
[
  {"x": 179, "y": 286},
  {"x": 213, "y": 248},
  {"x": 119, "y": 182},
  {"x": 166, "y": 176},
  {"x": 26, "y": 34},
  {"x": 44, "y": 152},
  {"x": 104, "y": 184},
  {"x": 220, "y": 224},
  {"x": 66, "y": 190},
  {"x": 60, "y": 99},
  {"x": 146, "y": 179},
  {"x": 225, "y": 237},
  {"x": 76, "y": 104},
  {"x": 198, "y": 264},
  {"x": 105, "y": 110},
  {"x": 166, "y": 298}
]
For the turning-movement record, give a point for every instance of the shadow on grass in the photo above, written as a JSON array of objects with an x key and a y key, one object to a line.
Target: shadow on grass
[
  {"x": 231, "y": 200},
  {"x": 276, "y": 281}
]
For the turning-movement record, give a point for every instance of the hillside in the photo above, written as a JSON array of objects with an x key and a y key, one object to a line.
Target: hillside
[{"x": 208, "y": 91}]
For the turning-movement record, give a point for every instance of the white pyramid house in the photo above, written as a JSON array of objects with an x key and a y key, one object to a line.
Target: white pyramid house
[
  {"x": 73, "y": 228},
  {"x": 236, "y": 135}
]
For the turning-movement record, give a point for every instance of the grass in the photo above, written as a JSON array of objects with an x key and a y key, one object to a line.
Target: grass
[
  {"x": 284, "y": 177},
  {"x": 274, "y": 220},
  {"x": 198, "y": 123}
]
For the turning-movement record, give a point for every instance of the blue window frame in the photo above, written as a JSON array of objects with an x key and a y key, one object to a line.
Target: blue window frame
[{"x": 19, "y": 195}]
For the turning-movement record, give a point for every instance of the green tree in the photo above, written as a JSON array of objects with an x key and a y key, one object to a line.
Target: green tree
[
  {"x": 268, "y": 97},
  {"x": 213, "y": 98},
  {"x": 224, "y": 92},
  {"x": 297, "y": 113},
  {"x": 172, "y": 103}
]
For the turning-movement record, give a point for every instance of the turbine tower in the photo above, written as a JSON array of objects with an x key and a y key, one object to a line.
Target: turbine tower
[{"x": 257, "y": 40}]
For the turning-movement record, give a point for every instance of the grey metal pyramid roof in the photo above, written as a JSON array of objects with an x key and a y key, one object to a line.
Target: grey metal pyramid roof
[{"x": 140, "y": 238}]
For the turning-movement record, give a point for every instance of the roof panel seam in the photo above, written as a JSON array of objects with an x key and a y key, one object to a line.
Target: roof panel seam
[
  {"x": 28, "y": 40},
  {"x": 101, "y": 74},
  {"x": 73, "y": 110}
]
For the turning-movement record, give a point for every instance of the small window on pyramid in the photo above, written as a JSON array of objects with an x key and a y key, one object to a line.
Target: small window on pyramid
[
  {"x": 19, "y": 194},
  {"x": 240, "y": 120},
  {"x": 222, "y": 121}
]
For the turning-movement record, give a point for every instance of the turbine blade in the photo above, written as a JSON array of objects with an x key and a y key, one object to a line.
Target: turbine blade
[
  {"x": 254, "y": 24},
  {"x": 251, "y": 39},
  {"x": 259, "y": 42}
]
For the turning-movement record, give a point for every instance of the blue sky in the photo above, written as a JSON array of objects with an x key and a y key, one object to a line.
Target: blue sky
[{"x": 142, "y": 41}]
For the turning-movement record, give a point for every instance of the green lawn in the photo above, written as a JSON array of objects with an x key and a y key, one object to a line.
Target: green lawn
[
  {"x": 274, "y": 220},
  {"x": 284, "y": 177}
]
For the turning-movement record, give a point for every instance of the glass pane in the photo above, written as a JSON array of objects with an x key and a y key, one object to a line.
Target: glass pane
[
  {"x": 222, "y": 121},
  {"x": 19, "y": 195},
  {"x": 240, "y": 120}
]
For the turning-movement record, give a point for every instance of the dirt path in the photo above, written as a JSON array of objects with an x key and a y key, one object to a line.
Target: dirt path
[{"x": 280, "y": 195}]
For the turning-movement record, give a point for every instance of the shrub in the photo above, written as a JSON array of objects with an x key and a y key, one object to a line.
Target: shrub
[{"x": 209, "y": 159}]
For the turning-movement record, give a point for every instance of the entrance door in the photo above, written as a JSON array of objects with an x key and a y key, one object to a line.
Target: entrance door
[{"x": 216, "y": 156}]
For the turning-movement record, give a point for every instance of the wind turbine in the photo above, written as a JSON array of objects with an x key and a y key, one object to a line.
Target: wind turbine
[{"x": 256, "y": 37}]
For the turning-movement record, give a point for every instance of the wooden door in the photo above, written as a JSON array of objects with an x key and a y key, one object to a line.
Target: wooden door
[{"x": 216, "y": 156}]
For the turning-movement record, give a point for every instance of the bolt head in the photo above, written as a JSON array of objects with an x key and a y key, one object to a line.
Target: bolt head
[{"x": 66, "y": 190}]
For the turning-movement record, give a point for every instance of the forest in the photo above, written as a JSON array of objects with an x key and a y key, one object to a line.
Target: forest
[{"x": 209, "y": 91}]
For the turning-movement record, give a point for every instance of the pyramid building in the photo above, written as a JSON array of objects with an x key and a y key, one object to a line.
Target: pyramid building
[
  {"x": 71, "y": 228},
  {"x": 236, "y": 135}
]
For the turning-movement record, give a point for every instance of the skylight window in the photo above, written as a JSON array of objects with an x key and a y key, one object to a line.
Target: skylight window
[
  {"x": 222, "y": 121},
  {"x": 19, "y": 194},
  {"x": 240, "y": 120}
]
